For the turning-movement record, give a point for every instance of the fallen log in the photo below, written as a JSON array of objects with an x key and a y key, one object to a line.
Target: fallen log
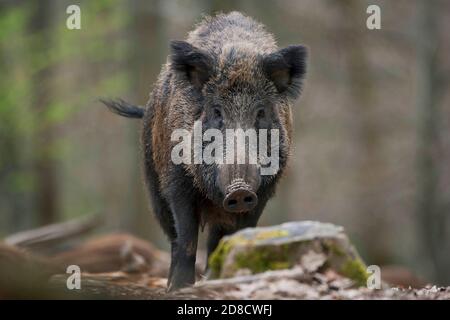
[{"x": 53, "y": 238}]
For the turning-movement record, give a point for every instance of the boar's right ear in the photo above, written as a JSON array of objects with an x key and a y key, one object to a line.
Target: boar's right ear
[
  {"x": 286, "y": 68},
  {"x": 191, "y": 62}
]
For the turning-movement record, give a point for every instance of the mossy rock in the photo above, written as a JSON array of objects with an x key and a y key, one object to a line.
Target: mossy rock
[{"x": 313, "y": 245}]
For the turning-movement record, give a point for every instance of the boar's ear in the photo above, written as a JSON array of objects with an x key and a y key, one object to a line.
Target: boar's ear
[
  {"x": 286, "y": 68},
  {"x": 193, "y": 63}
]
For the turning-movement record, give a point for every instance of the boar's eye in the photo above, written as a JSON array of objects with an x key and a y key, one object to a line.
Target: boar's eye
[
  {"x": 261, "y": 114},
  {"x": 217, "y": 112}
]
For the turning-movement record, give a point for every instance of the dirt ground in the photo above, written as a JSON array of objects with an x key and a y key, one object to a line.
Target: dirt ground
[{"x": 284, "y": 284}]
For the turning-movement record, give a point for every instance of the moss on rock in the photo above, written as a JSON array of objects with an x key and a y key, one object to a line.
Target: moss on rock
[
  {"x": 282, "y": 247},
  {"x": 355, "y": 269},
  {"x": 262, "y": 259},
  {"x": 217, "y": 258}
]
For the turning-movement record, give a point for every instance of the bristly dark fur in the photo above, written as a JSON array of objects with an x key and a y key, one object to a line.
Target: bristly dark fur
[
  {"x": 226, "y": 72},
  {"x": 123, "y": 108},
  {"x": 193, "y": 63},
  {"x": 287, "y": 68}
]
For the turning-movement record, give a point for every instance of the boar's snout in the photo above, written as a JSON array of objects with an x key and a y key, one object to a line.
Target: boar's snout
[
  {"x": 239, "y": 197},
  {"x": 240, "y": 200},
  {"x": 239, "y": 184}
]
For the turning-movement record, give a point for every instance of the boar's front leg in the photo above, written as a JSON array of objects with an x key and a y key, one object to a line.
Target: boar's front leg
[
  {"x": 184, "y": 250},
  {"x": 184, "y": 246}
]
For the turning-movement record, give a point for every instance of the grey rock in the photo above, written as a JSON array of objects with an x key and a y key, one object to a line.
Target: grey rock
[{"x": 312, "y": 245}]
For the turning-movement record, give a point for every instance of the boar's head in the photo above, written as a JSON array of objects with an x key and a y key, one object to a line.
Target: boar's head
[{"x": 240, "y": 87}]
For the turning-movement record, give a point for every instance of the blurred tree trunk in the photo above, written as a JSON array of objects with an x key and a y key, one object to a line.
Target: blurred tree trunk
[
  {"x": 45, "y": 184},
  {"x": 369, "y": 206},
  {"x": 432, "y": 218},
  {"x": 13, "y": 202},
  {"x": 148, "y": 46}
]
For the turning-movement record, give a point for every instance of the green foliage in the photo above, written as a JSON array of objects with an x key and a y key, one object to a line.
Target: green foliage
[{"x": 50, "y": 76}]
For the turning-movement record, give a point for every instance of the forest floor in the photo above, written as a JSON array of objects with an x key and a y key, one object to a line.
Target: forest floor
[
  {"x": 121, "y": 266},
  {"x": 284, "y": 284}
]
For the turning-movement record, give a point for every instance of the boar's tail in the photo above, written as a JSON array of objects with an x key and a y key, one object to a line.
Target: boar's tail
[{"x": 123, "y": 108}]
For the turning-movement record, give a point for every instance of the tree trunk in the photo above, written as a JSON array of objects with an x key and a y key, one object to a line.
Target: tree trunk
[
  {"x": 147, "y": 48},
  {"x": 45, "y": 183},
  {"x": 431, "y": 215},
  {"x": 370, "y": 165}
]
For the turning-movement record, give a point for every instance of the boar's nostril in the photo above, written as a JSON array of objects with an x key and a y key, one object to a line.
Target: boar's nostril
[
  {"x": 248, "y": 199},
  {"x": 232, "y": 203},
  {"x": 240, "y": 200}
]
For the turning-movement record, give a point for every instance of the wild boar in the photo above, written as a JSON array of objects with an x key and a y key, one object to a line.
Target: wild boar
[{"x": 228, "y": 74}]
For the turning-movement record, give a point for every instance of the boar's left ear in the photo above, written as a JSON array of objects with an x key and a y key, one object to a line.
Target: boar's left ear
[
  {"x": 191, "y": 62},
  {"x": 286, "y": 68}
]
